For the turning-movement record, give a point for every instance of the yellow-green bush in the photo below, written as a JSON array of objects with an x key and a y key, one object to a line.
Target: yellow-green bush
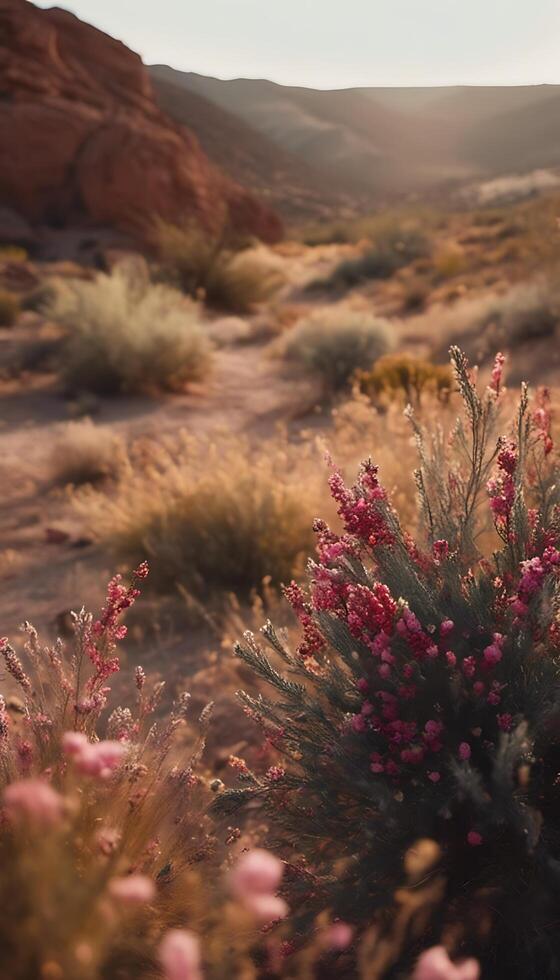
[
  {"x": 401, "y": 375},
  {"x": 450, "y": 261}
]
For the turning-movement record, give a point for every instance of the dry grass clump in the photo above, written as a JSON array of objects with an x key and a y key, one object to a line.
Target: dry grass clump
[
  {"x": 214, "y": 269},
  {"x": 85, "y": 453},
  {"x": 334, "y": 342},
  {"x": 125, "y": 334},
  {"x": 9, "y": 308},
  {"x": 211, "y": 520},
  {"x": 242, "y": 282},
  {"x": 401, "y": 376}
]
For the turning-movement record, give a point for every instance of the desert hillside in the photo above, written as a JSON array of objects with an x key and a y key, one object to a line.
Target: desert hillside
[{"x": 375, "y": 140}]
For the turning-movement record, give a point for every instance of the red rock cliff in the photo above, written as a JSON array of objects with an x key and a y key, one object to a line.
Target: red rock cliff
[{"x": 82, "y": 140}]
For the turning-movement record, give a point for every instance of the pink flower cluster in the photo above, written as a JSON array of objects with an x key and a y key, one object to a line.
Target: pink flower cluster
[
  {"x": 96, "y": 759},
  {"x": 253, "y": 882},
  {"x": 533, "y": 573},
  {"x": 501, "y": 488},
  {"x": 359, "y": 506},
  {"x": 496, "y": 378},
  {"x": 312, "y": 639},
  {"x": 100, "y": 638}
]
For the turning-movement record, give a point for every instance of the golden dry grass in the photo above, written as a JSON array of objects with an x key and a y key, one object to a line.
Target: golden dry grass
[{"x": 210, "y": 519}]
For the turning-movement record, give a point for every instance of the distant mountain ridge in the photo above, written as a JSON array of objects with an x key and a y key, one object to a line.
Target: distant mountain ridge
[
  {"x": 374, "y": 141},
  {"x": 250, "y": 157}
]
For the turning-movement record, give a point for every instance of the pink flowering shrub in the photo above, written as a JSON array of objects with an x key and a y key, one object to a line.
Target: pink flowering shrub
[
  {"x": 109, "y": 866},
  {"x": 423, "y": 699}
]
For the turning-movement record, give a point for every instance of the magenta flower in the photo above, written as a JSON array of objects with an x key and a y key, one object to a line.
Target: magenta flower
[{"x": 474, "y": 838}]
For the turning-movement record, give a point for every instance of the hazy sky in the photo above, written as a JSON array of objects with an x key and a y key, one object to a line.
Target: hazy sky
[{"x": 337, "y": 43}]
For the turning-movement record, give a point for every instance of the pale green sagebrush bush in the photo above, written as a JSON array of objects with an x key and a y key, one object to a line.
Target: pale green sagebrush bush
[
  {"x": 334, "y": 342},
  {"x": 125, "y": 334}
]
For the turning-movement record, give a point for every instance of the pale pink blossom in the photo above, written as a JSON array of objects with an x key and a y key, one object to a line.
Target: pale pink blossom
[
  {"x": 338, "y": 936},
  {"x": 435, "y": 964},
  {"x": 34, "y": 800},
  {"x": 256, "y": 873},
  {"x": 179, "y": 955},
  {"x": 132, "y": 889},
  {"x": 253, "y": 881},
  {"x": 73, "y": 743},
  {"x": 97, "y": 759},
  {"x": 266, "y": 908}
]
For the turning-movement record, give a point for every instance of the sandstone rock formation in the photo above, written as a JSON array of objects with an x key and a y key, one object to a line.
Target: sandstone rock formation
[{"x": 83, "y": 141}]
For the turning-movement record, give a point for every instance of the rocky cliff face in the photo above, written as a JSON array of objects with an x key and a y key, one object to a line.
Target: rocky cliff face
[{"x": 83, "y": 141}]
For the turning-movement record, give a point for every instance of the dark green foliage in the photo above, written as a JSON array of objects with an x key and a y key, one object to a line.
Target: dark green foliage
[{"x": 423, "y": 700}]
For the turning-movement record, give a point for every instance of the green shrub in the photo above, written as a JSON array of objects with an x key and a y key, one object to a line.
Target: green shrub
[
  {"x": 400, "y": 375},
  {"x": 9, "y": 308},
  {"x": 214, "y": 268},
  {"x": 126, "y": 335},
  {"x": 335, "y": 342},
  {"x": 422, "y": 701}
]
